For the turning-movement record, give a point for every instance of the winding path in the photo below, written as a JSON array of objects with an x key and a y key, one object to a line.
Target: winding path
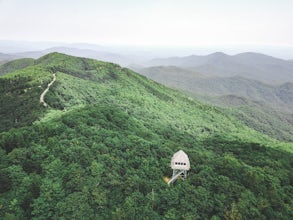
[{"x": 46, "y": 90}]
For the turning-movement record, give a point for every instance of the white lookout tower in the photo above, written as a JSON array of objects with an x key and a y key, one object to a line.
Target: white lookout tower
[{"x": 180, "y": 165}]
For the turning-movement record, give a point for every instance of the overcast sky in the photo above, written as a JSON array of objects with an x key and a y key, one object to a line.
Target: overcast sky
[{"x": 149, "y": 22}]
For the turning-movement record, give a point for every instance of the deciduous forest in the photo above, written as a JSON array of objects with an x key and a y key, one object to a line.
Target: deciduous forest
[{"x": 102, "y": 148}]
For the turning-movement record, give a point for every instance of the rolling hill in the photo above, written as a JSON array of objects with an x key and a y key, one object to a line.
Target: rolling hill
[
  {"x": 102, "y": 147},
  {"x": 248, "y": 65}
]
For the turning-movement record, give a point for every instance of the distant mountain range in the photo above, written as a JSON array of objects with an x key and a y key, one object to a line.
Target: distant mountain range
[
  {"x": 249, "y": 65},
  {"x": 277, "y": 96},
  {"x": 13, "y": 46},
  {"x": 266, "y": 108},
  {"x": 7, "y": 57},
  {"x": 94, "y": 54},
  {"x": 172, "y": 76},
  {"x": 196, "y": 83},
  {"x": 235, "y": 81},
  {"x": 123, "y": 55},
  {"x": 11, "y": 50}
]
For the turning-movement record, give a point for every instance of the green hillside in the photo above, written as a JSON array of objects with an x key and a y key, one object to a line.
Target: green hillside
[
  {"x": 102, "y": 147},
  {"x": 15, "y": 65},
  {"x": 262, "y": 107},
  {"x": 257, "y": 115}
]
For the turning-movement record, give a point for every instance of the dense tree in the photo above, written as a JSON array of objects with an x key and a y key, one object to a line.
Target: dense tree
[{"x": 102, "y": 150}]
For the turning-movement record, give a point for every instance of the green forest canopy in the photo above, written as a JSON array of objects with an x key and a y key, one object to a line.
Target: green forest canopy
[{"x": 106, "y": 141}]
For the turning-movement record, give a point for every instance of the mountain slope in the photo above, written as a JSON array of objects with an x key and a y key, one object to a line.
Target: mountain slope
[
  {"x": 171, "y": 76},
  {"x": 196, "y": 83},
  {"x": 263, "y": 107},
  {"x": 249, "y": 65},
  {"x": 15, "y": 65},
  {"x": 102, "y": 147},
  {"x": 257, "y": 115}
]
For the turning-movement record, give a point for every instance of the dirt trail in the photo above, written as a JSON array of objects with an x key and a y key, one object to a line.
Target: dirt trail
[{"x": 46, "y": 90}]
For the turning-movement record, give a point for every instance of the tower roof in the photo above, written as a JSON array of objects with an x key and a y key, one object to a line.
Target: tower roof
[{"x": 180, "y": 161}]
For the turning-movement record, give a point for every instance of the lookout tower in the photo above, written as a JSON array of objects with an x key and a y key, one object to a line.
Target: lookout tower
[{"x": 180, "y": 165}]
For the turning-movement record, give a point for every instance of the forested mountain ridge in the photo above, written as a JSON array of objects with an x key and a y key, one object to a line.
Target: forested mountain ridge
[
  {"x": 102, "y": 147},
  {"x": 250, "y": 65},
  {"x": 15, "y": 65},
  {"x": 198, "y": 83},
  {"x": 263, "y": 107}
]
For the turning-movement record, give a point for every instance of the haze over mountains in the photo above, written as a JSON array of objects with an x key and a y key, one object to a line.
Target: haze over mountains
[
  {"x": 126, "y": 55},
  {"x": 89, "y": 53},
  {"x": 254, "y": 76},
  {"x": 248, "y": 82},
  {"x": 13, "y": 46},
  {"x": 196, "y": 83},
  {"x": 257, "y": 87},
  {"x": 249, "y": 65}
]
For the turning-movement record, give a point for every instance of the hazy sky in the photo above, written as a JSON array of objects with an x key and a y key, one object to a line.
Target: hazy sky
[{"x": 149, "y": 22}]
